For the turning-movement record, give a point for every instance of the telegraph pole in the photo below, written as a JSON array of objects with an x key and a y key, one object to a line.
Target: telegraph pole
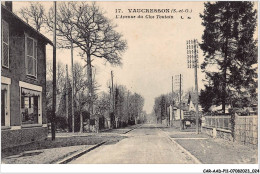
[
  {"x": 172, "y": 86},
  {"x": 172, "y": 101},
  {"x": 178, "y": 83},
  {"x": 112, "y": 76},
  {"x": 180, "y": 105},
  {"x": 72, "y": 88},
  {"x": 192, "y": 54},
  {"x": 54, "y": 78},
  {"x": 67, "y": 93},
  {"x": 196, "y": 86}
]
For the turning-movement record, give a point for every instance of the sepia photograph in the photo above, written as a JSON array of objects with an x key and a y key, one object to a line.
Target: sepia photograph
[{"x": 130, "y": 82}]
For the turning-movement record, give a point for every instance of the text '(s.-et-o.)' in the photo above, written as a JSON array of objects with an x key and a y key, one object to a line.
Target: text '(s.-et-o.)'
[{"x": 153, "y": 13}]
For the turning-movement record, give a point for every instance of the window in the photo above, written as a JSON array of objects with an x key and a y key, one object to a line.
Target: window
[
  {"x": 31, "y": 56},
  {"x": 4, "y": 89},
  {"x": 5, "y": 101},
  {"x": 5, "y": 44},
  {"x": 30, "y": 106}
]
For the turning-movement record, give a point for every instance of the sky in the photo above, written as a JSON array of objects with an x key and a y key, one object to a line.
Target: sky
[{"x": 156, "y": 48}]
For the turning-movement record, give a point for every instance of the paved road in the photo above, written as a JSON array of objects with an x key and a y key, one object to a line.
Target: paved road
[{"x": 144, "y": 145}]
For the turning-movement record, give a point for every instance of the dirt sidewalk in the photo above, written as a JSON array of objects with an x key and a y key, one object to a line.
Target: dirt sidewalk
[{"x": 213, "y": 151}]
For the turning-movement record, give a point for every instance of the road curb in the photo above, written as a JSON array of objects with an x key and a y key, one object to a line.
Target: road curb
[
  {"x": 78, "y": 154},
  {"x": 183, "y": 149},
  {"x": 131, "y": 129}
]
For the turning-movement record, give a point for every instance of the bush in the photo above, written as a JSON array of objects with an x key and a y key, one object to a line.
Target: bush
[{"x": 61, "y": 123}]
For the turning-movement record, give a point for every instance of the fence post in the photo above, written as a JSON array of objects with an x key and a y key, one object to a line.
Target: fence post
[
  {"x": 223, "y": 125},
  {"x": 232, "y": 120}
]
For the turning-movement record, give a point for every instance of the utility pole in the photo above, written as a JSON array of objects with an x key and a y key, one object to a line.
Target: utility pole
[
  {"x": 72, "y": 89},
  {"x": 54, "y": 78},
  {"x": 172, "y": 101},
  {"x": 192, "y": 55},
  {"x": 112, "y": 100},
  {"x": 196, "y": 85},
  {"x": 128, "y": 103},
  {"x": 179, "y": 82},
  {"x": 180, "y": 105},
  {"x": 112, "y": 87},
  {"x": 67, "y": 93},
  {"x": 172, "y": 88}
]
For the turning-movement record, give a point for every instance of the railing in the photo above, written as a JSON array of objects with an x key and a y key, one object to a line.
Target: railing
[{"x": 220, "y": 121}]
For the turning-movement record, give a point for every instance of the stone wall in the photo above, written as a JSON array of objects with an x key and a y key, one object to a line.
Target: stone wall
[
  {"x": 11, "y": 138},
  {"x": 218, "y": 133}
]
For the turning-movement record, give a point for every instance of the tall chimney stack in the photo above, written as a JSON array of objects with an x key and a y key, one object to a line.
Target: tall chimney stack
[{"x": 8, "y": 4}]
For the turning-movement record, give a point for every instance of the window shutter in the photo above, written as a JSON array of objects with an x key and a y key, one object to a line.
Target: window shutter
[
  {"x": 35, "y": 58},
  {"x": 5, "y": 44},
  {"x": 31, "y": 56},
  {"x": 30, "y": 65}
]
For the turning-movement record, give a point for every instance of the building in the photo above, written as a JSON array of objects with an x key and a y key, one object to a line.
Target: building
[
  {"x": 23, "y": 80},
  {"x": 187, "y": 107}
]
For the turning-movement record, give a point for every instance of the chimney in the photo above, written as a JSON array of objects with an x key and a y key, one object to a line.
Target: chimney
[{"x": 9, "y": 5}]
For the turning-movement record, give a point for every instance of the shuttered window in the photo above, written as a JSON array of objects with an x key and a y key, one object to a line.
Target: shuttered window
[
  {"x": 5, "y": 44},
  {"x": 31, "y": 56}
]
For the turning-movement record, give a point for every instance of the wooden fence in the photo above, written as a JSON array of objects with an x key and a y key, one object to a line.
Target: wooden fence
[
  {"x": 220, "y": 121},
  {"x": 245, "y": 128}
]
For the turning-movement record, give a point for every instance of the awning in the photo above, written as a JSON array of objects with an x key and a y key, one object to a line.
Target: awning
[{"x": 28, "y": 92}]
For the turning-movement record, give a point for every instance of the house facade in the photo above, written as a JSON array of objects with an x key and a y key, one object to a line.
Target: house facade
[{"x": 23, "y": 81}]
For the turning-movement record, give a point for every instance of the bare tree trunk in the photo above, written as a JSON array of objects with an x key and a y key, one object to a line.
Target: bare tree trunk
[
  {"x": 80, "y": 113},
  {"x": 225, "y": 72},
  {"x": 90, "y": 88},
  {"x": 81, "y": 122},
  {"x": 97, "y": 124}
]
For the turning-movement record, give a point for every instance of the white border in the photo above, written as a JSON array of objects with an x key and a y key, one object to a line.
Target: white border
[
  {"x": 122, "y": 168},
  {"x": 7, "y": 81},
  {"x": 11, "y": 168}
]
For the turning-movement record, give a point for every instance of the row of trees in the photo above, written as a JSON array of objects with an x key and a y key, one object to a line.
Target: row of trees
[
  {"x": 230, "y": 51},
  {"x": 82, "y": 26},
  {"x": 161, "y": 103},
  {"x": 64, "y": 95},
  {"x": 112, "y": 109},
  {"x": 125, "y": 107}
]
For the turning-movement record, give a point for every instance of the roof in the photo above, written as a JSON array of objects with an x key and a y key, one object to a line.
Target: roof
[
  {"x": 192, "y": 98},
  {"x": 218, "y": 108},
  {"x": 11, "y": 14}
]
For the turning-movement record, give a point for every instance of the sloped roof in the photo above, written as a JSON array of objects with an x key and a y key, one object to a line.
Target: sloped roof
[
  {"x": 21, "y": 23},
  {"x": 192, "y": 97}
]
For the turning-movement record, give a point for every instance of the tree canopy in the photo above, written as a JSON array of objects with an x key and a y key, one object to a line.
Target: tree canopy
[
  {"x": 86, "y": 26},
  {"x": 229, "y": 48}
]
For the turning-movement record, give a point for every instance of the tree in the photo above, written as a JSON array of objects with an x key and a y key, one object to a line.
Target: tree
[
  {"x": 229, "y": 47},
  {"x": 102, "y": 106},
  {"x": 81, "y": 91},
  {"x": 33, "y": 15},
  {"x": 61, "y": 80},
  {"x": 157, "y": 109},
  {"x": 60, "y": 74},
  {"x": 87, "y": 27},
  {"x": 163, "y": 107},
  {"x": 211, "y": 95}
]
